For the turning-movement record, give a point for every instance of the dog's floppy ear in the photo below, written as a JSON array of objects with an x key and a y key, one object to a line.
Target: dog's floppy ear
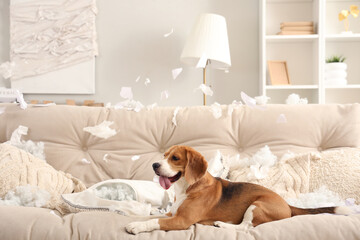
[{"x": 196, "y": 166}]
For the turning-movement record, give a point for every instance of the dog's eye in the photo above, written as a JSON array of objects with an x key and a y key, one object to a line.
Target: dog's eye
[{"x": 175, "y": 158}]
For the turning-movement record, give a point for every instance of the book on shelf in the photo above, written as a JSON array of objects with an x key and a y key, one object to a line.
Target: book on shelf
[{"x": 296, "y": 28}]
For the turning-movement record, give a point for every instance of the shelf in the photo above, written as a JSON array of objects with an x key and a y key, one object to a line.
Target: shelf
[
  {"x": 342, "y": 37},
  {"x": 349, "y": 86},
  {"x": 289, "y": 1},
  {"x": 269, "y": 87},
  {"x": 291, "y": 38}
]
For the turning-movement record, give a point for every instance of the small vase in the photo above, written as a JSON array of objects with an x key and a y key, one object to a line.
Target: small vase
[{"x": 335, "y": 74}]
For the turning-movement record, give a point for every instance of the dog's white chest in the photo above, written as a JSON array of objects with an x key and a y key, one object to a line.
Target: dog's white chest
[{"x": 180, "y": 194}]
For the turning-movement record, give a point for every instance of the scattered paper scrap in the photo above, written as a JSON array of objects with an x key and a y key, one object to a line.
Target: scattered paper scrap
[
  {"x": 20, "y": 99},
  {"x": 84, "y": 160},
  {"x": 151, "y": 106},
  {"x": 235, "y": 105},
  {"x": 249, "y": 101},
  {"x": 216, "y": 110},
  {"x": 169, "y": 33},
  {"x": 102, "y": 130},
  {"x": 202, "y": 61},
  {"x": 176, "y": 72},
  {"x": 205, "y": 89},
  {"x": 262, "y": 100},
  {"x": 147, "y": 81},
  {"x": 156, "y": 179},
  {"x": 108, "y": 105},
  {"x": 106, "y": 157},
  {"x": 282, "y": 118},
  {"x": 164, "y": 95},
  {"x": 129, "y": 104},
  {"x": 174, "y": 115},
  {"x": 226, "y": 71},
  {"x": 44, "y": 105},
  {"x": 35, "y": 148},
  {"x": 137, "y": 79},
  {"x": 135, "y": 157},
  {"x": 126, "y": 93},
  {"x": 295, "y": 99}
]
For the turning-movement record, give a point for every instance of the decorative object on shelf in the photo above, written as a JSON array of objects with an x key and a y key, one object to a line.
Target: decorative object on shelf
[
  {"x": 296, "y": 28},
  {"x": 207, "y": 44},
  {"x": 343, "y": 16},
  {"x": 335, "y": 71},
  {"x": 278, "y": 72}
]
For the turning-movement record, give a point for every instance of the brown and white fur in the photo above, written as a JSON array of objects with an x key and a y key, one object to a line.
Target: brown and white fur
[{"x": 201, "y": 198}]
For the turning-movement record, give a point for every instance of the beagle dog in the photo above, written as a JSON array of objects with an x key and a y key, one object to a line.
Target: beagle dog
[{"x": 201, "y": 198}]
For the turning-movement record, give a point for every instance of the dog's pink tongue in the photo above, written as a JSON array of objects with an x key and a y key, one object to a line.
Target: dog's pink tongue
[{"x": 164, "y": 182}]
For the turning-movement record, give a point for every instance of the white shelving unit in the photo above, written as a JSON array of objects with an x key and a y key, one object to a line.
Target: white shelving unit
[{"x": 305, "y": 54}]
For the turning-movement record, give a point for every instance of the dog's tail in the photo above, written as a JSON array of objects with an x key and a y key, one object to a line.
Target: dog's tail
[{"x": 342, "y": 210}]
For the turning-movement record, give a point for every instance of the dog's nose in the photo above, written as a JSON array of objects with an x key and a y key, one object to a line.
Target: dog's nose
[{"x": 156, "y": 166}]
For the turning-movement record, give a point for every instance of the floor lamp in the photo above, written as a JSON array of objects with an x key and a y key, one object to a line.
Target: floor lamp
[{"x": 207, "y": 45}]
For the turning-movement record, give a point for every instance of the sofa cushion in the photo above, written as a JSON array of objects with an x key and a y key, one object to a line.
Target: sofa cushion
[
  {"x": 339, "y": 171},
  {"x": 19, "y": 168},
  {"x": 288, "y": 177}
]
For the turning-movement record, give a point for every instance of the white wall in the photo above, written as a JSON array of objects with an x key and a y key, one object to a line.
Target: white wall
[{"x": 131, "y": 43}]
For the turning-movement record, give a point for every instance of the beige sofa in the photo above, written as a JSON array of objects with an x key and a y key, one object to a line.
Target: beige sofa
[{"x": 148, "y": 134}]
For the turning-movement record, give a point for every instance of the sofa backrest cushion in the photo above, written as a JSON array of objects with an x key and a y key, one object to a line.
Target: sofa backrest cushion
[{"x": 148, "y": 133}]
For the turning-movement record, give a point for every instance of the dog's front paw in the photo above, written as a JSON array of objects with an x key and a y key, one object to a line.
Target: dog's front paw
[{"x": 136, "y": 227}]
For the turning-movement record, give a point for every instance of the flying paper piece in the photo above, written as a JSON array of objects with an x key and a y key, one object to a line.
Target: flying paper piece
[
  {"x": 226, "y": 71},
  {"x": 102, "y": 130},
  {"x": 174, "y": 115},
  {"x": 169, "y": 33},
  {"x": 249, "y": 101},
  {"x": 281, "y": 119},
  {"x": 176, "y": 72},
  {"x": 106, "y": 157},
  {"x": 20, "y": 99},
  {"x": 137, "y": 79},
  {"x": 216, "y": 110},
  {"x": 164, "y": 95},
  {"x": 129, "y": 104},
  {"x": 295, "y": 99},
  {"x": 108, "y": 105},
  {"x": 205, "y": 89},
  {"x": 147, "y": 81},
  {"x": 202, "y": 62},
  {"x": 135, "y": 157},
  {"x": 262, "y": 100},
  {"x": 126, "y": 93},
  {"x": 84, "y": 160}
]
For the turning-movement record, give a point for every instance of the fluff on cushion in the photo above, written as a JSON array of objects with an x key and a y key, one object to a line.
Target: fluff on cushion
[
  {"x": 339, "y": 171},
  {"x": 288, "y": 177},
  {"x": 19, "y": 168}
]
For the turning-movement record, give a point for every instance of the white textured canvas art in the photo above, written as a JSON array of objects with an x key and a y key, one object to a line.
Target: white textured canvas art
[{"x": 52, "y": 46}]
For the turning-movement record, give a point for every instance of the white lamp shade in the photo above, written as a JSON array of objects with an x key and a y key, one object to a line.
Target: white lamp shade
[{"x": 208, "y": 39}]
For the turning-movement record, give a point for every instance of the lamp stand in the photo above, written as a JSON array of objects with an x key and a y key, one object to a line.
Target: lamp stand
[
  {"x": 204, "y": 81},
  {"x": 204, "y": 78}
]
